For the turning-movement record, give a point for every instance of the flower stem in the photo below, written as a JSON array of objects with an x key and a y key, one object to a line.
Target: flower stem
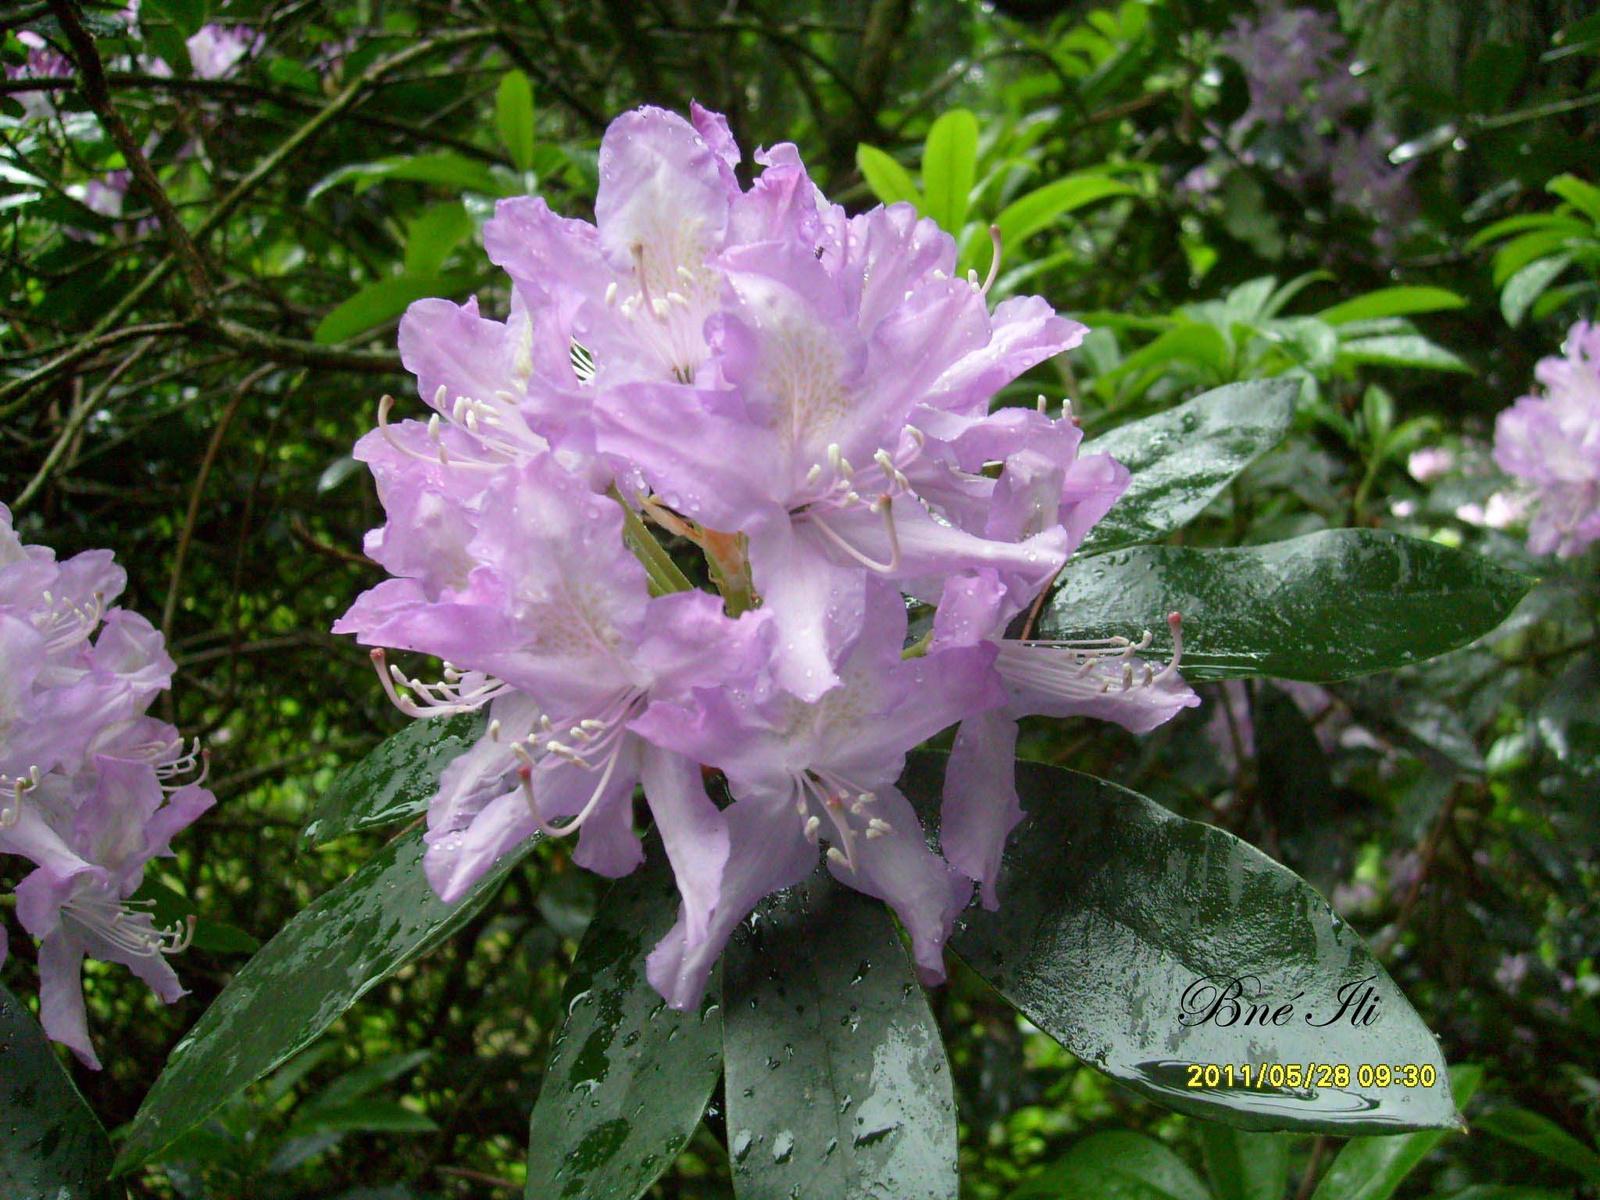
[{"x": 664, "y": 573}]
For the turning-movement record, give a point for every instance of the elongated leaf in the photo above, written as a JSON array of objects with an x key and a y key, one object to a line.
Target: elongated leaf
[
  {"x": 322, "y": 962},
  {"x": 1243, "y": 1165},
  {"x": 431, "y": 237},
  {"x": 949, "y": 163},
  {"x": 383, "y": 301},
  {"x": 50, "y": 1142},
  {"x": 1182, "y": 458},
  {"x": 1321, "y": 607},
  {"x": 1528, "y": 284},
  {"x": 837, "y": 1082},
  {"x": 1042, "y": 207},
  {"x": 1584, "y": 197},
  {"x": 628, "y": 1077},
  {"x": 513, "y": 117},
  {"x": 1392, "y": 302},
  {"x": 1401, "y": 350},
  {"x": 1116, "y": 1165},
  {"x": 1523, "y": 223},
  {"x": 1123, "y": 931},
  {"x": 396, "y": 780},
  {"x": 1372, "y": 1168},
  {"x": 1543, "y": 1137},
  {"x": 444, "y": 168},
  {"x": 889, "y": 181},
  {"x": 1203, "y": 345}
]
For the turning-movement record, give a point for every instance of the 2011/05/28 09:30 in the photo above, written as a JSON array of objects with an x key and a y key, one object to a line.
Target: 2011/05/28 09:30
[{"x": 1278, "y": 1075}]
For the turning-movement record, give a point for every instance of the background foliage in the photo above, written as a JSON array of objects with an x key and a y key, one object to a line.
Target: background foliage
[{"x": 184, "y": 386}]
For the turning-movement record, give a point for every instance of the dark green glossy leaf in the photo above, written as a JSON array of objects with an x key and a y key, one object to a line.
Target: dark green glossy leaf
[
  {"x": 447, "y": 169},
  {"x": 1372, "y": 1168},
  {"x": 837, "y": 1083},
  {"x": 1322, "y": 607},
  {"x": 1120, "y": 922},
  {"x": 1243, "y": 1165},
  {"x": 1181, "y": 459},
  {"x": 629, "y": 1078},
  {"x": 322, "y": 962},
  {"x": 1116, "y": 1165},
  {"x": 396, "y": 780},
  {"x": 1543, "y": 1137},
  {"x": 50, "y": 1142},
  {"x": 1297, "y": 796}
]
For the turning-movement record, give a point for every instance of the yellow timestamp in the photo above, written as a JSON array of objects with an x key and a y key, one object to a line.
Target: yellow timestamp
[{"x": 1310, "y": 1075}]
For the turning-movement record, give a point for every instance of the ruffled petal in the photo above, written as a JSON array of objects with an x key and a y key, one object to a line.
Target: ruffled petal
[
  {"x": 694, "y": 831},
  {"x": 767, "y": 850},
  {"x": 980, "y": 798},
  {"x": 897, "y": 867}
]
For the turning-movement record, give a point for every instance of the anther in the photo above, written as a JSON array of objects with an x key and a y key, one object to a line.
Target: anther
[
  {"x": 813, "y": 823},
  {"x": 611, "y": 293}
]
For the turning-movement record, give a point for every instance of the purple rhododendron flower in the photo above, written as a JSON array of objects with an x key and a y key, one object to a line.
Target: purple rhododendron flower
[
  {"x": 806, "y": 397},
  {"x": 1552, "y": 443},
  {"x": 42, "y": 62},
  {"x": 91, "y": 788},
  {"x": 214, "y": 50}
]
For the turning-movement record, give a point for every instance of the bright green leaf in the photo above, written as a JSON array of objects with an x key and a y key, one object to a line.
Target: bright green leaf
[
  {"x": 1322, "y": 607},
  {"x": 1392, "y": 302},
  {"x": 383, "y": 301},
  {"x": 433, "y": 234},
  {"x": 889, "y": 181},
  {"x": 513, "y": 117},
  {"x": 949, "y": 162},
  {"x": 1028, "y": 214},
  {"x": 1584, "y": 197}
]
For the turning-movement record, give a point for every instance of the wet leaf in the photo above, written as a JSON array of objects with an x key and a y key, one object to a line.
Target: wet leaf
[
  {"x": 396, "y": 780},
  {"x": 1180, "y": 459},
  {"x": 629, "y": 1078},
  {"x": 51, "y": 1144},
  {"x": 322, "y": 962},
  {"x": 1121, "y": 929},
  {"x": 837, "y": 1082},
  {"x": 1321, "y": 607}
]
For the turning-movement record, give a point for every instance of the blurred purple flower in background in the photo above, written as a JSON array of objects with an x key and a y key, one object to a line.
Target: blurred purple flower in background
[
  {"x": 1552, "y": 443},
  {"x": 91, "y": 788}
]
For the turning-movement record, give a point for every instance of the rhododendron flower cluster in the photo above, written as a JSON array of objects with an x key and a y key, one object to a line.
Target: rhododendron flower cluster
[
  {"x": 1552, "y": 443},
  {"x": 91, "y": 787},
  {"x": 805, "y": 398}
]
